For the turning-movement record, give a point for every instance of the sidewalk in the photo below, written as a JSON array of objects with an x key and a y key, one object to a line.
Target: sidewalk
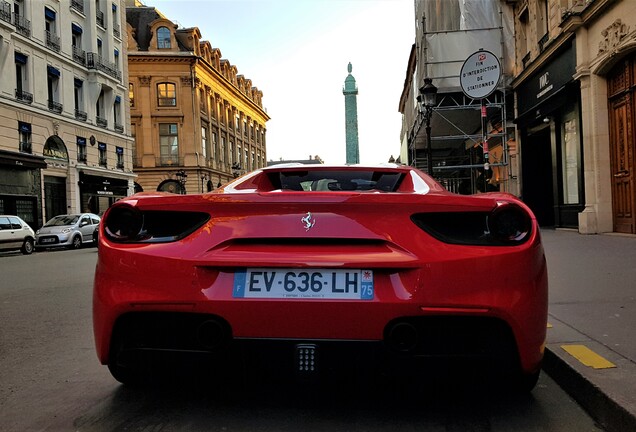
[{"x": 593, "y": 304}]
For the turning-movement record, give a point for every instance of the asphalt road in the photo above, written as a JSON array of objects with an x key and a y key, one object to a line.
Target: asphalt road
[{"x": 50, "y": 379}]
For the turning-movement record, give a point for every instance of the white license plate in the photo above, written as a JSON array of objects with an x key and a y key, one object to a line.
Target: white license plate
[
  {"x": 304, "y": 283},
  {"x": 47, "y": 240}
]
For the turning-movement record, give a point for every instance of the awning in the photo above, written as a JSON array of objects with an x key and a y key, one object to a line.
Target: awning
[
  {"x": 21, "y": 160},
  {"x": 79, "y": 82},
  {"x": 117, "y": 99},
  {"x": 20, "y": 58},
  {"x": 53, "y": 71},
  {"x": 49, "y": 13},
  {"x": 76, "y": 29}
]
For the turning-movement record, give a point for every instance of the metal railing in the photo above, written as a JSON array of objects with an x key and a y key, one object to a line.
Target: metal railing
[
  {"x": 79, "y": 55},
  {"x": 116, "y": 31},
  {"x": 22, "y": 25},
  {"x": 118, "y": 127},
  {"x": 23, "y": 96},
  {"x": 5, "y": 12},
  {"x": 103, "y": 161},
  {"x": 168, "y": 161},
  {"x": 55, "y": 107},
  {"x": 101, "y": 121},
  {"x": 95, "y": 61},
  {"x": 52, "y": 41},
  {"x": 80, "y": 115},
  {"x": 78, "y": 5},
  {"x": 26, "y": 147},
  {"x": 120, "y": 165},
  {"x": 81, "y": 157}
]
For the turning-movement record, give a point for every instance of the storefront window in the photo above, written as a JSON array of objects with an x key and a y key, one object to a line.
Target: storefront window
[{"x": 570, "y": 156}]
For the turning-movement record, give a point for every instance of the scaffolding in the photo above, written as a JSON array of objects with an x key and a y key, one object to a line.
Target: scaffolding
[{"x": 447, "y": 33}]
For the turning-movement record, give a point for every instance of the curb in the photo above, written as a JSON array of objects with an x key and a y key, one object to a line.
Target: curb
[{"x": 603, "y": 407}]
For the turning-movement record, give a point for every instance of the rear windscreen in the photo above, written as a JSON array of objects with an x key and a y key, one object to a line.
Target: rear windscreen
[{"x": 333, "y": 180}]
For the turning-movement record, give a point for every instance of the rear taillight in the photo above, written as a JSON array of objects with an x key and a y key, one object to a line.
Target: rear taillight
[
  {"x": 509, "y": 224},
  {"x": 506, "y": 225},
  {"x": 127, "y": 224}
]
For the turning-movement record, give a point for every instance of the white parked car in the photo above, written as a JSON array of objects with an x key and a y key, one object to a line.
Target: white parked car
[
  {"x": 15, "y": 234},
  {"x": 72, "y": 230}
]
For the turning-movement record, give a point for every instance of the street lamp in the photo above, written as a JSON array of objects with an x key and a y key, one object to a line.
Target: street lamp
[
  {"x": 428, "y": 98},
  {"x": 181, "y": 178}
]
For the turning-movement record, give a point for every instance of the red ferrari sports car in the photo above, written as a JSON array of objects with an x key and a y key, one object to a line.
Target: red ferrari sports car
[{"x": 319, "y": 266}]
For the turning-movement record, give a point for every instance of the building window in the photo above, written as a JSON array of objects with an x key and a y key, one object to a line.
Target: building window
[
  {"x": 168, "y": 144},
  {"x": 103, "y": 158},
  {"x": 118, "y": 126},
  {"x": 116, "y": 29},
  {"x": 222, "y": 155},
  {"x": 53, "y": 89},
  {"x": 99, "y": 15},
  {"x": 79, "y": 55},
  {"x": 524, "y": 34},
  {"x": 163, "y": 38},
  {"x": 24, "y": 133},
  {"x": 166, "y": 94},
  {"x": 215, "y": 150},
  {"x": 131, "y": 94},
  {"x": 50, "y": 32},
  {"x": 78, "y": 97},
  {"x": 238, "y": 124},
  {"x": 21, "y": 79},
  {"x": 119, "y": 151},
  {"x": 133, "y": 149},
  {"x": 100, "y": 51},
  {"x": 81, "y": 149},
  {"x": 116, "y": 58},
  {"x": 100, "y": 114},
  {"x": 204, "y": 143}
]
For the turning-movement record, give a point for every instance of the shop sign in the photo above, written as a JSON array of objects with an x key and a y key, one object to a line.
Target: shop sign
[{"x": 547, "y": 81}]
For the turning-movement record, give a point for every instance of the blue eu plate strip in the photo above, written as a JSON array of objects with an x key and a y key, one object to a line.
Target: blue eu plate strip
[{"x": 239, "y": 283}]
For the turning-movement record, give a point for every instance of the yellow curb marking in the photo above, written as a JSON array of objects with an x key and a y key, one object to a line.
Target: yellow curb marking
[
  {"x": 549, "y": 325},
  {"x": 588, "y": 357}
]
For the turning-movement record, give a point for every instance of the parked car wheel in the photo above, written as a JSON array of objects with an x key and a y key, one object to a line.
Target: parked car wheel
[
  {"x": 27, "y": 246},
  {"x": 95, "y": 237},
  {"x": 77, "y": 242}
]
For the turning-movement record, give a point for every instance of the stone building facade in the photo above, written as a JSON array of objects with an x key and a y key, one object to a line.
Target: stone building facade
[
  {"x": 197, "y": 123},
  {"x": 64, "y": 138},
  {"x": 575, "y": 88}
]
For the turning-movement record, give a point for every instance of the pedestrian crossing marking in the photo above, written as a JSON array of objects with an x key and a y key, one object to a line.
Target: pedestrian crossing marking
[{"x": 588, "y": 357}]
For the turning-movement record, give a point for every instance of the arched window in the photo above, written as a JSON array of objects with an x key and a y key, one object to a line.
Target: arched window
[
  {"x": 166, "y": 94},
  {"x": 163, "y": 38}
]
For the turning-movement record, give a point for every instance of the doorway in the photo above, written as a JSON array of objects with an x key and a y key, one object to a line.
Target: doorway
[
  {"x": 54, "y": 196},
  {"x": 537, "y": 173}
]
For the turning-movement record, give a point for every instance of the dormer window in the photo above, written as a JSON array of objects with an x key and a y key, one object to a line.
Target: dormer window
[{"x": 163, "y": 38}]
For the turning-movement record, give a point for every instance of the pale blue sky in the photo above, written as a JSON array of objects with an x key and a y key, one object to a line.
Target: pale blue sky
[{"x": 297, "y": 51}]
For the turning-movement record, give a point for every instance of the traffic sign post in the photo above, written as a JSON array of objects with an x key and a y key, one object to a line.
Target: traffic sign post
[{"x": 479, "y": 78}]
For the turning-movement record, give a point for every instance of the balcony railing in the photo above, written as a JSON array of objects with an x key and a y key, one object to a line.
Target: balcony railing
[
  {"x": 100, "y": 18},
  {"x": 53, "y": 41},
  {"x": 78, "y": 5},
  {"x": 116, "y": 31},
  {"x": 80, "y": 115},
  {"x": 22, "y": 25},
  {"x": 81, "y": 157},
  {"x": 23, "y": 96},
  {"x": 168, "y": 161},
  {"x": 103, "y": 161},
  {"x": 95, "y": 61},
  {"x": 101, "y": 121},
  {"x": 119, "y": 128},
  {"x": 120, "y": 165},
  {"x": 543, "y": 41},
  {"x": 79, "y": 55},
  {"x": 26, "y": 147},
  {"x": 5, "y": 12},
  {"x": 55, "y": 107}
]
